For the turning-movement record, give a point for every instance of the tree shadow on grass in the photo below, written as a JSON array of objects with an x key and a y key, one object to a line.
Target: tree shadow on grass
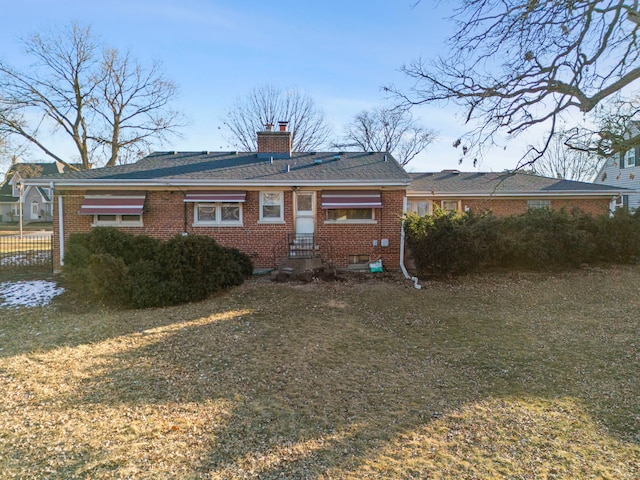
[{"x": 320, "y": 380}]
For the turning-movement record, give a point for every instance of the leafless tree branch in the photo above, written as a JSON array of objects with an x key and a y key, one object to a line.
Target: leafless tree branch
[
  {"x": 269, "y": 105},
  {"x": 513, "y": 65}
]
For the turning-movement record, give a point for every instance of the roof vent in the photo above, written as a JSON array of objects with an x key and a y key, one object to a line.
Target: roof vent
[
  {"x": 453, "y": 171},
  {"x": 385, "y": 158},
  {"x": 318, "y": 161},
  {"x": 336, "y": 156}
]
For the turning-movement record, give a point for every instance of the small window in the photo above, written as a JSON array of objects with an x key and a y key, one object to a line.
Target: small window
[
  {"x": 117, "y": 220},
  {"x": 536, "y": 204},
  {"x": 218, "y": 214},
  {"x": 421, "y": 208},
  {"x": 358, "y": 259},
  {"x": 450, "y": 205},
  {"x": 271, "y": 206},
  {"x": 350, "y": 215},
  {"x": 631, "y": 157}
]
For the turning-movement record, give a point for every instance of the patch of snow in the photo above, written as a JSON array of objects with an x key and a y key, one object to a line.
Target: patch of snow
[
  {"x": 27, "y": 293},
  {"x": 26, "y": 259}
]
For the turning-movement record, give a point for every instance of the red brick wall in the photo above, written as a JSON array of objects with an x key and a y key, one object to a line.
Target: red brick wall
[
  {"x": 274, "y": 142},
  {"x": 165, "y": 211},
  {"x": 343, "y": 240},
  {"x": 515, "y": 206}
]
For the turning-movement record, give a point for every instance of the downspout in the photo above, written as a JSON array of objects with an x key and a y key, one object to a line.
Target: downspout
[
  {"x": 61, "y": 230},
  {"x": 402, "y": 266}
]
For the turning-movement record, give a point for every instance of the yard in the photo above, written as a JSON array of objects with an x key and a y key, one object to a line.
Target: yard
[{"x": 508, "y": 375}]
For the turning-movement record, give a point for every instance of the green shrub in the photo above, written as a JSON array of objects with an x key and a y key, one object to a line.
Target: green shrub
[
  {"x": 242, "y": 259},
  {"x": 446, "y": 243},
  {"x": 113, "y": 267}
]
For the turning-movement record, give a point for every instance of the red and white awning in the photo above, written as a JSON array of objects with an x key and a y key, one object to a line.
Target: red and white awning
[
  {"x": 113, "y": 203},
  {"x": 351, "y": 199},
  {"x": 215, "y": 196}
]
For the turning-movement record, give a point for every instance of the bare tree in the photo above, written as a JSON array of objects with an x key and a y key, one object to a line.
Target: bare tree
[
  {"x": 269, "y": 105},
  {"x": 135, "y": 108},
  {"x": 103, "y": 102},
  {"x": 615, "y": 128},
  {"x": 562, "y": 161},
  {"x": 388, "y": 130},
  {"x": 516, "y": 64}
]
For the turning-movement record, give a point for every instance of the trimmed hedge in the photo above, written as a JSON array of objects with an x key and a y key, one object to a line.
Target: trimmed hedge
[
  {"x": 113, "y": 267},
  {"x": 449, "y": 243}
]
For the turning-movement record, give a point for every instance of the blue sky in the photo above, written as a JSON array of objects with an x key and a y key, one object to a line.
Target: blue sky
[{"x": 338, "y": 52}]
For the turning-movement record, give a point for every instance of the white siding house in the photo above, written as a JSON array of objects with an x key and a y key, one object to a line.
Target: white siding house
[{"x": 623, "y": 170}]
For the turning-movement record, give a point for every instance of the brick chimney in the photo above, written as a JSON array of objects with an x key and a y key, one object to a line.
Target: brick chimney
[{"x": 274, "y": 144}]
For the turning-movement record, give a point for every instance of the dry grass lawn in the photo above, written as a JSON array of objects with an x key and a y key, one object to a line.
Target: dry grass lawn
[{"x": 514, "y": 375}]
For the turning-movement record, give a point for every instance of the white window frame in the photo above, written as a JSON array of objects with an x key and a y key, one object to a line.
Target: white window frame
[
  {"x": 629, "y": 155},
  {"x": 372, "y": 220},
  {"x": 218, "y": 221},
  {"x": 538, "y": 203},
  {"x": 117, "y": 222},
  {"x": 280, "y": 218},
  {"x": 457, "y": 202},
  {"x": 417, "y": 206}
]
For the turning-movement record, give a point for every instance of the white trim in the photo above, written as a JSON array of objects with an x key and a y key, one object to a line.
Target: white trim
[
  {"x": 209, "y": 183},
  {"x": 218, "y": 222},
  {"x": 568, "y": 193},
  {"x": 262, "y": 218},
  {"x": 117, "y": 222}
]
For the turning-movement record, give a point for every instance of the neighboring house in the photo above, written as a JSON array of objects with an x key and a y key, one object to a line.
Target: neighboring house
[
  {"x": 623, "y": 170},
  {"x": 272, "y": 204},
  {"x": 36, "y": 200},
  {"x": 506, "y": 193}
]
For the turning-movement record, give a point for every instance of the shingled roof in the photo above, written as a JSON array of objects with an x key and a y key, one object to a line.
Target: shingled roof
[
  {"x": 45, "y": 169},
  {"x": 503, "y": 183},
  {"x": 235, "y": 168}
]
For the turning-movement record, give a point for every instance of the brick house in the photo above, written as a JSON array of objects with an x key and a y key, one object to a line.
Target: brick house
[
  {"x": 273, "y": 204},
  {"x": 506, "y": 193}
]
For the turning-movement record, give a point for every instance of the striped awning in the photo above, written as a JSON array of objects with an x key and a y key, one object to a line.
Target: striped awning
[
  {"x": 215, "y": 196},
  {"x": 113, "y": 203},
  {"x": 351, "y": 199}
]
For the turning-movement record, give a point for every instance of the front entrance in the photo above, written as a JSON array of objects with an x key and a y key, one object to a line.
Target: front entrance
[{"x": 305, "y": 218}]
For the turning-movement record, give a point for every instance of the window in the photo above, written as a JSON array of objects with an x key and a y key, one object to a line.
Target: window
[
  {"x": 354, "y": 215},
  {"x": 217, "y": 214},
  {"x": 630, "y": 158},
  {"x": 272, "y": 206},
  {"x": 421, "y": 208},
  {"x": 358, "y": 259},
  {"x": 117, "y": 220},
  {"x": 533, "y": 204},
  {"x": 450, "y": 205}
]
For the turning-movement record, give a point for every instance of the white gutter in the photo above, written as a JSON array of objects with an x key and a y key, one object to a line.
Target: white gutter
[
  {"x": 550, "y": 194},
  {"x": 402, "y": 266},
  {"x": 178, "y": 183},
  {"x": 61, "y": 229}
]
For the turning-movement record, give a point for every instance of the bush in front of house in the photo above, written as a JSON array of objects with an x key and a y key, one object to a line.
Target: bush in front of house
[
  {"x": 117, "y": 268},
  {"x": 449, "y": 243}
]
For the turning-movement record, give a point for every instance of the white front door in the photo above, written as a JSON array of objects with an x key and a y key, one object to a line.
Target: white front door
[
  {"x": 305, "y": 207},
  {"x": 35, "y": 211}
]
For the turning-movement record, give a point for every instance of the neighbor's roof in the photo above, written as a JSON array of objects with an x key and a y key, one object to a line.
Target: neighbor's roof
[
  {"x": 500, "y": 184},
  {"x": 231, "y": 168},
  {"x": 45, "y": 168}
]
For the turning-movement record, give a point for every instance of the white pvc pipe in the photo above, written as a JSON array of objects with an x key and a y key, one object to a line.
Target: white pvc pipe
[
  {"x": 402, "y": 266},
  {"x": 61, "y": 230}
]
